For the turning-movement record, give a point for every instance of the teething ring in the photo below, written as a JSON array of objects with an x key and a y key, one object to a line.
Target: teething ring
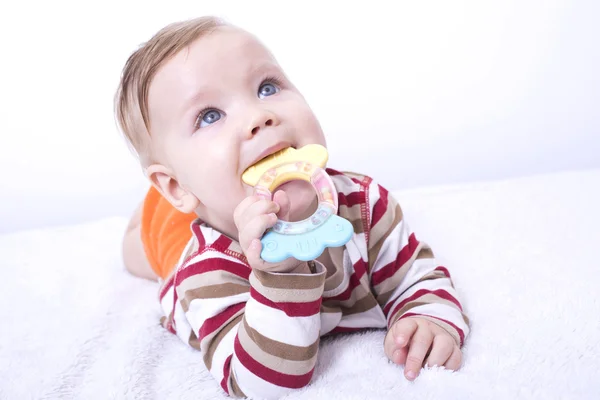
[
  {"x": 319, "y": 180},
  {"x": 304, "y": 240}
]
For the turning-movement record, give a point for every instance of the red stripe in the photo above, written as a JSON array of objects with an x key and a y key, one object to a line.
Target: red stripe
[
  {"x": 290, "y": 309},
  {"x": 267, "y": 374},
  {"x": 226, "y": 369},
  {"x": 198, "y": 232},
  {"x": 461, "y": 334},
  {"x": 403, "y": 256},
  {"x": 166, "y": 286},
  {"x": 214, "y": 264},
  {"x": 419, "y": 293},
  {"x": 222, "y": 243},
  {"x": 380, "y": 207},
  {"x": 359, "y": 271},
  {"x": 351, "y": 199},
  {"x": 213, "y": 323},
  {"x": 333, "y": 172},
  {"x": 444, "y": 270},
  {"x": 343, "y": 329}
]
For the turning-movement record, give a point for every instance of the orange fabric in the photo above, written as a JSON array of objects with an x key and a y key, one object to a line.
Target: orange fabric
[{"x": 165, "y": 232}]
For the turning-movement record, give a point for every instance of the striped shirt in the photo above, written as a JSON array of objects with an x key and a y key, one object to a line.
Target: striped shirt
[{"x": 258, "y": 332}]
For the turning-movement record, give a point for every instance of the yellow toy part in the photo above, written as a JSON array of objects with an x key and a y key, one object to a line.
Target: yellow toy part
[{"x": 310, "y": 156}]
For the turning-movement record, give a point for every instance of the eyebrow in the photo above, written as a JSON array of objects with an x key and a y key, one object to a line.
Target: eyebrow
[
  {"x": 253, "y": 69},
  {"x": 193, "y": 99}
]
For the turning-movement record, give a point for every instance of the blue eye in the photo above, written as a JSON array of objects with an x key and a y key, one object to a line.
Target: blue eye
[
  {"x": 208, "y": 117},
  {"x": 267, "y": 89}
]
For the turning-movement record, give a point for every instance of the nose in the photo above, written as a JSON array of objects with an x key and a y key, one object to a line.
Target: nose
[{"x": 261, "y": 120}]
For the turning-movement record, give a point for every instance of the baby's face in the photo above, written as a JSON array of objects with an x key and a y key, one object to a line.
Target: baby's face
[{"x": 218, "y": 107}]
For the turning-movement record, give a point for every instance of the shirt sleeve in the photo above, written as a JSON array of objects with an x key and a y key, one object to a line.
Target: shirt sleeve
[
  {"x": 405, "y": 275},
  {"x": 258, "y": 332}
]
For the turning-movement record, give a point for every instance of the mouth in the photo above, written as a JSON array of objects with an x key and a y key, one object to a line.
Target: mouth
[{"x": 271, "y": 150}]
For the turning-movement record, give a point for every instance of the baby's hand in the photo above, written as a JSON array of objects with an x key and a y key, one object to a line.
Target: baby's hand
[
  {"x": 414, "y": 342},
  {"x": 252, "y": 217}
]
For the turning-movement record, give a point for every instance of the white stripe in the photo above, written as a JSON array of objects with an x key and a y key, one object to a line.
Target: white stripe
[
  {"x": 374, "y": 197},
  {"x": 276, "y": 325},
  {"x": 224, "y": 350},
  {"x": 202, "y": 309},
  {"x": 253, "y": 386},
  {"x": 419, "y": 269},
  {"x": 329, "y": 321},
  {"x": 189, "y": 244},
  {"x": 392, "y": 246},
  {"x": 443, "y": 311},
  {"x": 212, "y": 254},
  {"x": 373, "y": 318},
  {"x": 344, "y": 184},
  {"x": 357, "y": 250},
  {"x": 182, "y": 326},
  {"x": 166, "y": 303},
  {"x": 348, "y": 268},
  {"x": 209, "y": 234},
  {"x": 431, "y": 284}
]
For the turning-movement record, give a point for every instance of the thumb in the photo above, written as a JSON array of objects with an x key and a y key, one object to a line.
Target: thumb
[{"x": 282, "y": 199}]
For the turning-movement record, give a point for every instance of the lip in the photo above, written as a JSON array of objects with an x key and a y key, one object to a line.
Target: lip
[{"x": 270, "y": 150}]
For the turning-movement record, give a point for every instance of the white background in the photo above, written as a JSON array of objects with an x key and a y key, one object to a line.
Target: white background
[{"x": 413, "y": 93}]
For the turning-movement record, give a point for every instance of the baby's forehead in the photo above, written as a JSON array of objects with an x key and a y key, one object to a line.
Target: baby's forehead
[
  {"x": 231, "y": 40},
  {"x": 225, "y": 51}
]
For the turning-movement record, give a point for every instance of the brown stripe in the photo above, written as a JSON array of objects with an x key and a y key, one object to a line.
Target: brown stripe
[
  {"x": 211, "y": 292},
  {"x": 216, "y": 339},
  {"x": 362, "y": 305},
  {"x": 466, "y": 319},
  {"x": 193, "y": 341},
  {"x": 390, "y": 219},
  {"x": 285, "y": 281},
  {"x": 291, "y": 295},
  {"x": 278, "y": 362},
  {"x": 405, "y": 309},
  {"x": 428, "y": 298},
  {"x": 282, "y": 350},
  {"x": 330, "y": 309},
  {"x": 235, "y": 387},
  {"x": 354, "y": 215},
  {"x": 357, "y": 225},
  {"x": 382, "y": 299},
  {"x": 334, "y": 257},
  {"x": 210, "y": 278},
  {"x": 425, "y": 252}
]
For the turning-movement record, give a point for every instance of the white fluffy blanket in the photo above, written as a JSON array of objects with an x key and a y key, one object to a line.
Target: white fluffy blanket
[{"x": 523, "y": 253}]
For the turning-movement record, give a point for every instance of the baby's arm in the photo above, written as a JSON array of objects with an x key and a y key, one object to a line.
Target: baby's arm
[
  {"x": 258, "y": 331},
  {"x": 134, "y": 256},
  {"x": 406, "y": 278}
]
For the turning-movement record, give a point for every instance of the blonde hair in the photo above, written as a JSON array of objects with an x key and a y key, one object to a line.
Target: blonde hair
[{"x": 131, "y": 98}]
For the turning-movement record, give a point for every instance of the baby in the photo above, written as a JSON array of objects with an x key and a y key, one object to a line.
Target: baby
[{"x": 202, "y": 101}]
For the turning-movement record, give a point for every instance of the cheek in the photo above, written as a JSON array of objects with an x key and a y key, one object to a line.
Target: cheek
[{"x": 311, "y": 124}]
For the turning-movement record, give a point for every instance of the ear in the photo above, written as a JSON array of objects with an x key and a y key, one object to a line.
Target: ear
[{"x": 165, "y": 182}]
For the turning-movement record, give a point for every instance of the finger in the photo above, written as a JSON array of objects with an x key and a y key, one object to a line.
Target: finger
[
  {"x": 283, "y": 200},
  {"x": 419, "y": 346},
  {"x": 242, "y": 207},
  {"x": 404, "y": 330},
  {"x": 253, "y": 253},
  {"x": 256, "y": 228},
  {"x": 392, "y": 350},
  {"x": 455, "y": 359},
  {"x": 441, "y": 350},
  {"x": 261, "y": 207}
]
